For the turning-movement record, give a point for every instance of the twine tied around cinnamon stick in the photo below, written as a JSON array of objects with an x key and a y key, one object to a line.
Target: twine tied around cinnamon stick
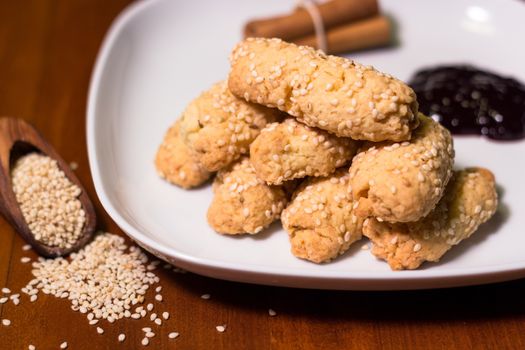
[
  {"x": 311, "y": 7},
  {"x": 348, "y": 25}
]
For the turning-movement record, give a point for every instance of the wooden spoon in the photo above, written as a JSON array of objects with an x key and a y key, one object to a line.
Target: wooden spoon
[{"x": 18, "y": 138}]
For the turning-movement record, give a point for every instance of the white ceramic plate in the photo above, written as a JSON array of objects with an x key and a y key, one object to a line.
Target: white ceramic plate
[{"x": 160, "y": 54}]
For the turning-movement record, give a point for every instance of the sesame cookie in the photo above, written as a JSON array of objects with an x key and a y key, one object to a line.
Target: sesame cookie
[
  {"x": 320, "y": 220},
  {"x": 218, "y": 127},
  {"x": 470, "y": 200},
  {"x": 175, "y": 163},
  {"x": 332, "y": 93},
  {"x": 242, "y": 203},
  {"x": 291, "y": 150},
  {"x": 402, "y": 182}
]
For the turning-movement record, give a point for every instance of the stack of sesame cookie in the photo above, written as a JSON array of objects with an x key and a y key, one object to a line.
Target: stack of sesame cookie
[{"x": 335, "y": 149}]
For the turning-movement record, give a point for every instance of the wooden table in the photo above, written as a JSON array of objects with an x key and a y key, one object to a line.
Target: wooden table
[{"x": 47, "y": 50}]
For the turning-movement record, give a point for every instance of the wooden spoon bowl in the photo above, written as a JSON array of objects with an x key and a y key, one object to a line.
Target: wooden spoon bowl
[{"x": 18, "y": 138}]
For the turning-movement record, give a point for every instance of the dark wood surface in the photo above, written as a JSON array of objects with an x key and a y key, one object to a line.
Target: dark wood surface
[{"x": 47, "y": 50}]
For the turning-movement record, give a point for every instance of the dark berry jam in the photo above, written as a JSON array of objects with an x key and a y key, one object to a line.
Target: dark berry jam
[{"x": 468, "y": 100}]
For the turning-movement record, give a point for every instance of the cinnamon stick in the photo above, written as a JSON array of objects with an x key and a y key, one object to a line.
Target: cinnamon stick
[
  {"x": 364, "y": 34},
  {"x": 299, "y": 23}
]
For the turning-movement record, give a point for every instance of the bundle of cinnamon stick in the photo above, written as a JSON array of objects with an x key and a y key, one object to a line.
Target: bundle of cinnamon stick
[{"x": 350, "y": 25}]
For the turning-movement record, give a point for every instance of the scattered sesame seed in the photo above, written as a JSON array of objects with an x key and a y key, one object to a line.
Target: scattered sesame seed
[
  {"x": 417, "y": 247},
  {"x": 145, "y": 341},
  {"x": 100, "y": 330},
  {"x": 158, "y": 297},
  {"x": 63, "y": 345},
  {"x": 272, "y": 312},
  {"x": 221, "y": 329},
  {"x": 165, "y": 315},
  {"x": 149, "y": 334},
  {"x": 158, "y": 321},
  {"x": 121, "y": 337},
  {"x": 31, "y": 347},
  {"x": 6, "y": 290},
  {"x": 25, "y": 260},
  {"x": 173, "y": 335},
  {"x": 33, "y": 298},
  {"x": 104, "y": 278},
  {"x": 3, "y": 300},
  {"x": 206, "y": 296},
  {"x": 6, "y": 322},
  {"x": 26, "y": 247}
]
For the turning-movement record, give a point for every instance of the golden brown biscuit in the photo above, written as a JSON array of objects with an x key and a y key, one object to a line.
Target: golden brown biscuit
[
  {"x": 402, "y": 182},
  {"x": 320, "y": 220},
  {"x": 242, "y": 203},
  {"x": 291, "y": 150},
  {"x": 470, "y": 200},
  {"x": 218, "y": 127},
  {"x": 327, "y": 92},
  {"x": 175, "y": 163}
]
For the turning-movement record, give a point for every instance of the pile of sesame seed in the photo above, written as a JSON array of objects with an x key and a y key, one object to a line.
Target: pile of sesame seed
[
  {"x": 48, "y": 200},
  {"x": 103, "y": 279}
]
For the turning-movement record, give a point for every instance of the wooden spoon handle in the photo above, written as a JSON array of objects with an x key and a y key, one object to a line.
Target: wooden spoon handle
[{"x": 16, "y": 139}]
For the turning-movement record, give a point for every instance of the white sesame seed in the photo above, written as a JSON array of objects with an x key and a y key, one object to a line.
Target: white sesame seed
[
  {"x": 121, "y": 337},
  {"x": 25, "y": 259},
  {"x": 417, "y": 247},
  {"x": 158, "y": 297},
  {"x": 173, "y": 335},
  {"x": 109, "y": 296},
  {"x": 26, "y": 247},
  {"x": 221, "y": 329},
  {"x": 31, "y": 347},
  {"x": 149, "y": 334},
  {"x": 145, "y": 341},
  {"x": 35, "y": 179},
  {"x": 206, "y": 296},
  {"x": 3, "y": 300},
  {"x": 63, "y": 345},
  {"x": 100, "y": 330},
  {"x": 33, "y": 298},
  {"x": 6, "y": 322},
  {"x": 158, "y": 321},
  {"x": 334, "y": 102},
  {"x": 6, "y": 290},
  {"x": 165, "y": 315},
  {"x": 272, "y": 312}
]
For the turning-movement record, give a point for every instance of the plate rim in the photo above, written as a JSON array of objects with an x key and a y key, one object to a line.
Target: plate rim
[{"x": 355, "y": 280}]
